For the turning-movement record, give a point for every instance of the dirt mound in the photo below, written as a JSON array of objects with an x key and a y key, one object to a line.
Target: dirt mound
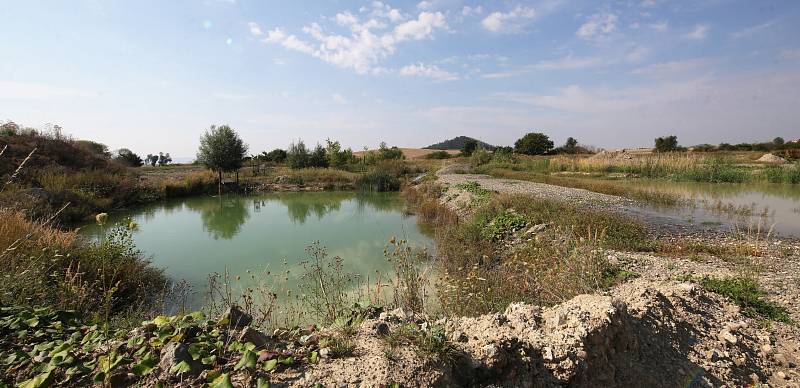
[
  {"x": 624, "y": 154},
  {"x": 770, "y": 158},
  {"x": 641, "y": 334}
]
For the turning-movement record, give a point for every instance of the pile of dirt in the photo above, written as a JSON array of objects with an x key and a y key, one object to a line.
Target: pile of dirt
[
  {"x": 773, "y": 159},
  {"x": 657, "y": 334}
]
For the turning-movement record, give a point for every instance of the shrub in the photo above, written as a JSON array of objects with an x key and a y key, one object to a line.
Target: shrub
[
  {"x": 438, "y": 155},
  {"x": 297, "y": 155},
  {"x": 57, "y": 269},
  {"x": 746, "y": 293},
  {"x": 533, "y": 143},
  {"x": 480, "y": 157},
  {"x": 378, "y": 180}
]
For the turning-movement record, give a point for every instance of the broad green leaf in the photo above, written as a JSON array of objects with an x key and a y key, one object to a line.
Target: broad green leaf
[
  {"x": 286, "y": 361},
  {"x": 39, "y": 381},
  {"x": 223, "y": 381},
  {"x": 314, "y": 357},
  {"x": 180, "y": 368},
  {"x": 145, "y": 366},
  {"x": 210, "y": 360},
  {"x": 269, "y": 365},
  {"x": 262, "y": 383},
  {"x": 248, "y": 361}
]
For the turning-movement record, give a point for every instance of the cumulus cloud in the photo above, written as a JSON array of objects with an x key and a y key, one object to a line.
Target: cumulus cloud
[
  {"x": 369, "y": 42},
  {"x": 598, "y": 26},
  {"x": 512, "y": 21},
  {"x": 699, "y": 32},
  {"x": 255, "y": 30},
  {"x": 428, "y": 71},
  {"x": 469, "y": 11}
]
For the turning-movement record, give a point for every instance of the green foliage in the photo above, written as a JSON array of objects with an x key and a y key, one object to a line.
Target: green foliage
[
  {"x": 325, "y": 285},
  {"x": 533, "y": 143},
  {"x": 338, "y": 158},
  {"x": 297, "y": 156},
  {"x": 667, "y": 144},
  {"x": 480, "y": 157},
  {"x": 504, "y": 225},
  {"x": 431, "y": 343},
  {"x": 746, "y": 293},
  {"x": 221, "y": 149},
  {"x": 128, "y": 158},
  {"x": 276, "y": 156},
  {"x": 481, "y": 194},
  {"x": 469, "y": 147},
  {"x": 378, "y": 180},
  {"x": 438, "y": 155},
  {"x": 318, "y": 158}
]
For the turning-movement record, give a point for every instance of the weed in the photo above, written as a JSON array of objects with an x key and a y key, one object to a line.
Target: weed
[{"x": 746, "y": 293}]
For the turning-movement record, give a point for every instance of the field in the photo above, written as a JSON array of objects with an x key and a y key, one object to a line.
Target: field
[{"x": 415, "y": 153}]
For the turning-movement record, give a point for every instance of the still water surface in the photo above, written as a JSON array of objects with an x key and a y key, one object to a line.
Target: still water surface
[{"x": 194, "y": 237}]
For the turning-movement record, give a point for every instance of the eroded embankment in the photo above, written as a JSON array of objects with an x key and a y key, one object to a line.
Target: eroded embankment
[{"x": 663, "y": 334}]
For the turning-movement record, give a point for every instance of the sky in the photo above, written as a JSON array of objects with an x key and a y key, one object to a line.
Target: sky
[{"x": 152, "y": 75}]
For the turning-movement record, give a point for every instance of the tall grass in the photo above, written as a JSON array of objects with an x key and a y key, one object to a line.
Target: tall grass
[{"x": 44, "y": 266}]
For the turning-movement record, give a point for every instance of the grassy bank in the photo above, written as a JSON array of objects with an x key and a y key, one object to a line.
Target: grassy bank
[{"x": 519, "y": 249}]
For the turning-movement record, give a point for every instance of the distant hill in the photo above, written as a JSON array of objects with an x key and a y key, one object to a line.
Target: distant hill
[{"x": 457, "y": 143}]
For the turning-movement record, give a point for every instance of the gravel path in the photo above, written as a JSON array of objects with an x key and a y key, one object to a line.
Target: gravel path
[
  {"x": 541, "y": 190},
  {"x": 661, "y": 223}
]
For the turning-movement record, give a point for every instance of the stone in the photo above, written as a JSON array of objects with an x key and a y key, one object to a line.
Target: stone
[
  {"x": 175, "y": 353},
  {"x": 713, "y": 355},
  {"x": 309, "y": 339},
  {"x": 781, "y": 375},
  {"x": 780, "y": 358},
  {"x": 381, "y": 328},
  {"x": 727, "y": 336},
  {"x": 547, "y": 354},
  {"x": 325, "y": 352},
  {"x": 766, "y": 349},
  {"x": 235, "y": 317},
  {"x": 253, "y": 336},
  {"x": 458, "y": 336}
]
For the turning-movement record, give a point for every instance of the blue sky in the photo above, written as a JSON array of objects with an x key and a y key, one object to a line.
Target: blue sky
[{"x": 152, "y": 75}]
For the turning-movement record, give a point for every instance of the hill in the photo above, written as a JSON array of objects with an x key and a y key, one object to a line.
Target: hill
[
  {"x": 412, "y": 153},
  {"x": 457, "y": 143}
]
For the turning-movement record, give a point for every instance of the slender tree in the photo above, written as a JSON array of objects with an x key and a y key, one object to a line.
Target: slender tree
[{"x": 221, "y": 150}]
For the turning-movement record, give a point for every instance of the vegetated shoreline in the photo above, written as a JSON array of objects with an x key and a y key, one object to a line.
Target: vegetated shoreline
[{"x": 504, "y": 242}]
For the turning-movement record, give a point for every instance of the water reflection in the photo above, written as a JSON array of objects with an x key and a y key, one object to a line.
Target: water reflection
[{"x": 222, "y": 217}]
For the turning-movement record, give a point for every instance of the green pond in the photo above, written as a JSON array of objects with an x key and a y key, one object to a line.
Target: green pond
[
  {"x": 766, "y": 207},
  {"x": 248, "y": 235}
]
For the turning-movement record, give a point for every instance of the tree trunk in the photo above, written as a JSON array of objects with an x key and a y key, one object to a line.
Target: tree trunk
[
  {"x": 237, "y": 177},
  {"x": 219, "y": 184}
]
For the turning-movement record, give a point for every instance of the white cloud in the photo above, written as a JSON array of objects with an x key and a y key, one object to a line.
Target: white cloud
[
  {"x": 699, "y": 32},
  {"x": 429, "y": 71},
  {"x": 661, "y": 26},
  {"x": 666, "y": 69},
  {"x": 571, "y": 62},
  {"x": 469, "y": 11},
  {"x": 255, "y": 30},
  {"x": 425, "y": 4},
  {"x": 512, "y": 21},
  {"x": 598, "y": 26},
  {"x": 750, "y": 31},
  {"x": 369, "y": 43}
]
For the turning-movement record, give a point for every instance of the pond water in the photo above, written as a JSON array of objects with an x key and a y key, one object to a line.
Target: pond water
[
  {"x": 774, "y": 207},
  {"x": 194, "y": 237}
]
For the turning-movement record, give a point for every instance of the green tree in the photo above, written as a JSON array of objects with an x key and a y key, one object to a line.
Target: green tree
[
  {"x": 337, "y": 157},
  {"x": 778, "y": 141},
  {"x": 534, "y": 143},
  {"x": 297, "y": 155},
  {"x": 571, "y": 145},
  {"x": 221, "y": 150},
  {"x": 667, "y": 144},
  {"x": 318, "y": 158},
  {"x": 469, "y": 147},
  {"x": 277, "y": 155},
  {"x": 128, "y": 158}
]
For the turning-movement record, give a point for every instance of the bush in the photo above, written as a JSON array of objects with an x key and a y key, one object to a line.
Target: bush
[
  {"x": 57, "y": 269},
  {"x": 438, "y": 155},
  {"x": 378, "y": 180},
  {"x": 746, "y": 293},
  {"x": 480, "y": 157},
  {"x": 297, "y": 156},
  {"x": 533, "y": 143}
]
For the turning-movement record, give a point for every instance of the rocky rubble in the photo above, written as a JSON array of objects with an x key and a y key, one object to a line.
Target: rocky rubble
[{"x": 662, "y": 334}]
